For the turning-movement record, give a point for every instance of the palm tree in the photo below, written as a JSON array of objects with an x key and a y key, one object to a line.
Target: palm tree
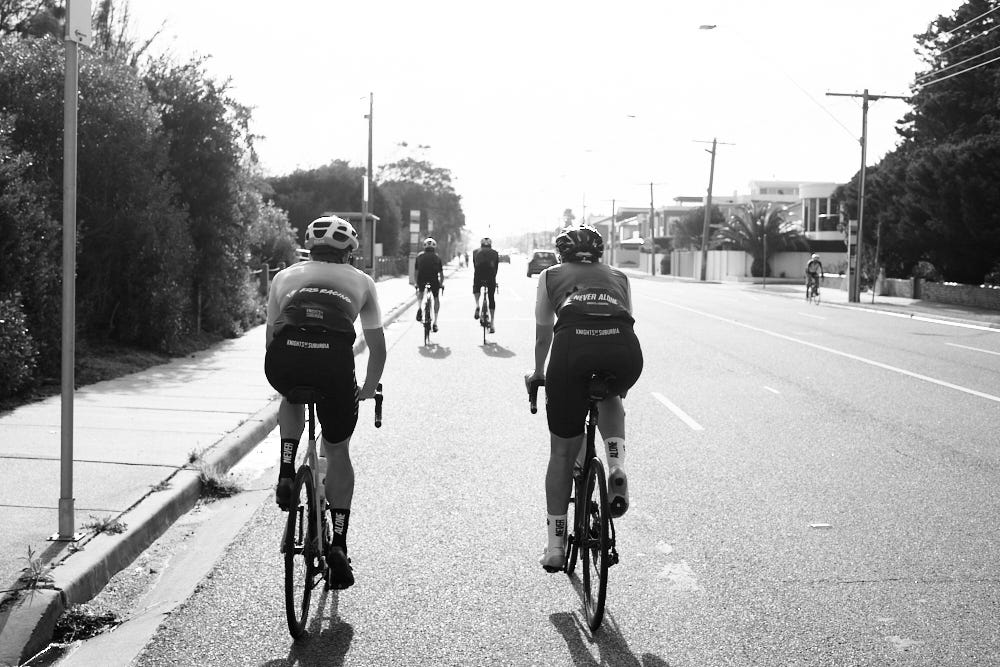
[{"x": 760, "y": 227}]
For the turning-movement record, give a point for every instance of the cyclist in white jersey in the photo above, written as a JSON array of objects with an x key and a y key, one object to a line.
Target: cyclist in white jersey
[{"x": 311, "y": 310}]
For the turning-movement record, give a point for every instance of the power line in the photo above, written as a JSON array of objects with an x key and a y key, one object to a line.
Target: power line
[
  {"x": 982, "y": 34},
  {"x": 931, "y": 75},
  {"x": 990, "y": 11},
  {"x": 968, "y": 69}
]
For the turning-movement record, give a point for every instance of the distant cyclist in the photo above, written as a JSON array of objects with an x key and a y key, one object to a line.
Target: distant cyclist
[
  {"x": 485, "y": 263},
  {"x": 814, "y": 273},
  {"x": 583, "y": 309},
  {"x": 429, "y": 270},
  {"x": 311, "y": 310}
]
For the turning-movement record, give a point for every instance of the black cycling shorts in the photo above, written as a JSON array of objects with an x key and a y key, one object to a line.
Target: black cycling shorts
[
  {"x": 325, "y": 362},
  {"x": 491, "y": 289},
  {"x": 435, "y": 286},
  {"x": 578, "y": 350}
]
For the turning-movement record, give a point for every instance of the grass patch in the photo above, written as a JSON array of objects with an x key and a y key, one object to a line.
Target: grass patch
[
  {"x": 216, "y": 484},
  {"x": 37, "y": 574},
  {"x": 81, "y": 622},
  {"x": 106, "y": 524}
]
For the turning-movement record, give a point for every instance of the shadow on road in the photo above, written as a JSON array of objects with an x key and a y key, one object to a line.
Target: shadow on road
[
  {"x": 607, "y": 646},
  {"x": 434, "y": 351},
  {"x": 497, "y": 350},
  {"x": 326, "y": 642}
]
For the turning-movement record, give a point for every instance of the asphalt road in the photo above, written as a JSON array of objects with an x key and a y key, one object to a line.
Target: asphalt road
[{"x": 810, "y": 486}]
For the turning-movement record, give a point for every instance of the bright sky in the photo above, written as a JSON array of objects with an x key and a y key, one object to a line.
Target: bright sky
[{"x": 538, "y": 106}]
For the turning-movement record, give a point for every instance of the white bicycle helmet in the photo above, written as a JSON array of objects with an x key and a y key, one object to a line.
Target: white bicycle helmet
[
  {"x": 430, "y": 243},
  {"x": 333, "y": 232}
]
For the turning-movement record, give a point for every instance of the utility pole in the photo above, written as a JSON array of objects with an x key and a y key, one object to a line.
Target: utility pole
[
  {"x": 708, "y": 210},
  {"x": 611, "y": 234},
  {"x": 367, "y": 186},
  {"x": 652, "y": 233},
  {"x": 854, "y": 260}
]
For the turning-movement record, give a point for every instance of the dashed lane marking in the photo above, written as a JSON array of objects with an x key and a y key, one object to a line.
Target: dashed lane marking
[
  {"x": 975, "y": 349},
  {"x": 773, "y": 391},
  {"x": 847, "y": 355},
  {"x": 683, "y": 416}
]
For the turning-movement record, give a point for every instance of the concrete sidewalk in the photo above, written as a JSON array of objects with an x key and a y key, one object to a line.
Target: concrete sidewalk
[
  {"x": 915, "y": 308},
  {"x": 134, "y": 438}
]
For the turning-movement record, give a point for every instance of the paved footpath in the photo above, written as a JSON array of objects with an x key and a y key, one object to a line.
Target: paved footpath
[{"x": 134, "y": 438}]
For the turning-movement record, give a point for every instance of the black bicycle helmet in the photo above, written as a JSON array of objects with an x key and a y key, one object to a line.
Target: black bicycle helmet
[{"x": 582, "y": 243}]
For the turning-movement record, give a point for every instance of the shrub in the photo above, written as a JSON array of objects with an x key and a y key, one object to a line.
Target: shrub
[{"x": 18, "y": 351}]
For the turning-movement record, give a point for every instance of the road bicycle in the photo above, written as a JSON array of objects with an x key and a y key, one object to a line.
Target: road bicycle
[
  {"x": 427, "y": 312},
  {"x": 812, "y": 289},
  {"x": 485, "y": 314},
  {"x": 592, "y": 535},
  {"x": 308, "y": 532}
]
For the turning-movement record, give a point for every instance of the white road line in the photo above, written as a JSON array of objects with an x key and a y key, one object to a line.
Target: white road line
[
  {"x": 976, "y": 349},
  {"x": 848, "y": 355},
  {"x": 683, "y": 416},
  {"x": 773, "y": 391}
]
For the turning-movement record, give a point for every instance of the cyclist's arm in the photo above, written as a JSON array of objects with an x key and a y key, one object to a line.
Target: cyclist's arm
[
  {"x": 545, "y": 317},
  {"x": 371, "y": 326},
  {"x": 272, "y": 312},
  {"x": 375, "y": 340}
]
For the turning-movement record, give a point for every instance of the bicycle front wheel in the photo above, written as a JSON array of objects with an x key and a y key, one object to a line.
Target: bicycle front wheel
[
  {"x": 299, "y": 547},
  {"x": 595, "y": 551}
]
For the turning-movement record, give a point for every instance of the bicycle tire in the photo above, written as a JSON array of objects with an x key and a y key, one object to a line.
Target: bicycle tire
[
  {"x": 298, "y": 548},
  {"x": 595, "y": 557},
  {"x": 427, "y": 321},
  {"x": 571, "y": 527}
]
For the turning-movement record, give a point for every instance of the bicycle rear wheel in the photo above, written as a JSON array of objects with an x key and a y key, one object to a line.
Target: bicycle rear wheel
[
  {"x": 595, "y": 550},
  {"x": 299, "y": 547},
  {"x": 427, "y": 322},
  {"x": 572, "y": 532}
]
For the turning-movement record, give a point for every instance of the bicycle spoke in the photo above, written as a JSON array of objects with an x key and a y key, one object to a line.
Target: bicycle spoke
[{"x": 299, "y": 553}]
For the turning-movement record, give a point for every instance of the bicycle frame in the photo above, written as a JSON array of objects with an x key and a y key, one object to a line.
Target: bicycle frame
[
  {"x": 427, "y": 310},
  {"x": 485, "y": 316}
]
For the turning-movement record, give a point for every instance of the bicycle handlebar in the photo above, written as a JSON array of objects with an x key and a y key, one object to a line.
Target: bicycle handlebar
[
  {"x": 533, "y": 392},
  {"x": 378, "y": 406}
]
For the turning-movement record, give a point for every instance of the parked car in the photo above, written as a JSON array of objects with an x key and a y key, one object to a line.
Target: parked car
[{"x": 541, "y": 260}]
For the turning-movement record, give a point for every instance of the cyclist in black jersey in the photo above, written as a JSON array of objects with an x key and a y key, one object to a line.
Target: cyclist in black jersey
[
  {"x": 583, "y": 311},
  {"x": 430, "y": 270},
  {"x": 486, "y": 262}
]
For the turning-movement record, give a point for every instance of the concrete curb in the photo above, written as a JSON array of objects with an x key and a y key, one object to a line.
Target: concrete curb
[{"x": 27, "y": 626}]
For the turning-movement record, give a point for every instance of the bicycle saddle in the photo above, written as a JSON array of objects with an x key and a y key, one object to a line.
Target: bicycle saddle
[
  {"x": 301, "y": 395},
  {"x": 599, "y": 385}
]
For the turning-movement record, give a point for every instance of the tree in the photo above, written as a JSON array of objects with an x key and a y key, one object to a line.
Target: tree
[
  {"x": 307, "y": 194},
  {"x": 933, "y": 199},
  {"x": 760, "y": 229},
  {"x": 689, "y": 233},
  {"x": 210, "y": 147},
  {"x": 568, "y": 217},
  {"x": 417, "y": 185}
]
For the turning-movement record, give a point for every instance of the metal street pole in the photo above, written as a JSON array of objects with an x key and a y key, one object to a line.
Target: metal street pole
[
  {"x": 611, "y": 233},
  {"x": 78, "y": 31},
  {"x": 854, "y": 275}
]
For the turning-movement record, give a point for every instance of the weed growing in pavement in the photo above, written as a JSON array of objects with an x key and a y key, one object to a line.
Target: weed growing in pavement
[
  {"x": 81, "y": 622},
  {"x": 162, "y": 486},
  {"x": 194, "y": 455},
  {"x": 37, "y": 574},
  {"x": 107, "y": 524},
  {"x": 215, "y": 484}
]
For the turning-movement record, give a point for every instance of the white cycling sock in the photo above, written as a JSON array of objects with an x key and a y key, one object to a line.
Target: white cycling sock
[
  {"x": 557, "y": 529},
  {"x": 615, "y": 448}
]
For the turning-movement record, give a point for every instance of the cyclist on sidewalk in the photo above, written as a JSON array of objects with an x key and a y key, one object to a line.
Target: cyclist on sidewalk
[
  {"x": 485, "y": 262},
  {"x": 311, "y": 310},
  {"x": 429, "y": 270},
  {"x": 814, "y": 273},
  {"x": 583, "y": 310}
]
